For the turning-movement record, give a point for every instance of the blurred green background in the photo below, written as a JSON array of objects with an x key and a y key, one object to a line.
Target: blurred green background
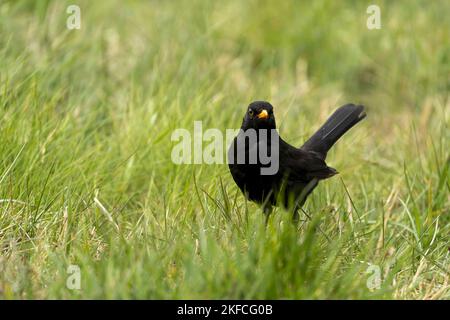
[{"x": 85, "y": 170}]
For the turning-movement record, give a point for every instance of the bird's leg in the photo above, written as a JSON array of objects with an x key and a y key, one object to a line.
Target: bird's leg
[
  {"x": 302, "y": 199},
  {"x": 267, "y": 209},
  {"x": 295, "y": 216}
]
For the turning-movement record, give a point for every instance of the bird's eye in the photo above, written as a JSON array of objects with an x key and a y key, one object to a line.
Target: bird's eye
[{"x": 250, "y": 113}]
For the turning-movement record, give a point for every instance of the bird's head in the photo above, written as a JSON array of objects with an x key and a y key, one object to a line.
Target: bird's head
[{"x": 259, "y": 115}]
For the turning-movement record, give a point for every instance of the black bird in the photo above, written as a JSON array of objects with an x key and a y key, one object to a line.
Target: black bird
[{"x": 299, "y": 170}]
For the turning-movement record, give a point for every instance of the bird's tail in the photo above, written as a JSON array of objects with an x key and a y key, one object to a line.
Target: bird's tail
[{"x": 339, "y": 123}]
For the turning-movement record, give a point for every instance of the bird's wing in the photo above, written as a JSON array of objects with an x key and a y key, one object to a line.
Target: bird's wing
[{"x": 305, "y": 165}]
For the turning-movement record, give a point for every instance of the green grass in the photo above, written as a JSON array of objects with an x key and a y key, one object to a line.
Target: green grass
[{"x": 86, "y": 176}]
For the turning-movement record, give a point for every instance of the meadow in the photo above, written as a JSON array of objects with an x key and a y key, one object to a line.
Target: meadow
[{"x": 88, "y": 187}]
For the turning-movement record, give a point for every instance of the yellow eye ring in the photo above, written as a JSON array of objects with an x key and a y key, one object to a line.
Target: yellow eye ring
[{"x": 250, "y": 113}]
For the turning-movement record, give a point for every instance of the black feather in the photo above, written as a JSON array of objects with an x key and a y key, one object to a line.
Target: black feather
[
  {"x": 337, "y": 124},
  {"x": 299, "y": 170}
]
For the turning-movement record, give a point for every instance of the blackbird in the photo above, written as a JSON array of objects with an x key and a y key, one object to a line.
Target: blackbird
[{"x": 297, "y": 170}]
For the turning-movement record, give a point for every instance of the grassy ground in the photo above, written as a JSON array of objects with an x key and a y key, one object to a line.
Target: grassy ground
[{"x": 86, "y": 176}]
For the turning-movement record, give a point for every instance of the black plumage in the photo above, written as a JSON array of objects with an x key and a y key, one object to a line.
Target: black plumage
[{"x": 299, "y": 169}]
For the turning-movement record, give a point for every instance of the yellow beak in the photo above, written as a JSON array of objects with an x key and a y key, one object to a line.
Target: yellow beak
[{"x": 263, "y": 114}]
